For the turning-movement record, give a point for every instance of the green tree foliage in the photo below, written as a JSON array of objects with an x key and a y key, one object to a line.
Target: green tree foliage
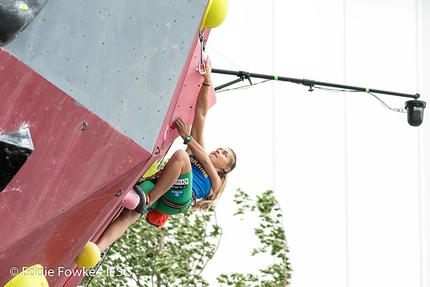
[
  {"x": 176, "y": 254},
  {"x": 271, "y": 234}
]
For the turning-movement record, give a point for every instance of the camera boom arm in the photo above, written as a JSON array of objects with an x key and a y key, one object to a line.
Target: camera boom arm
[
  {"x": 414, "y": 107},
  {"x": 310, "y": 83}
]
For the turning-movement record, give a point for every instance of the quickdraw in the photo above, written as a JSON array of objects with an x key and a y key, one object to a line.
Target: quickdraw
[{"x": 201, "y": 68}]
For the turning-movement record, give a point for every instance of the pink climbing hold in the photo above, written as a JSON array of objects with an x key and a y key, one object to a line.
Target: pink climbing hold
[{"x": 130, "y": 200}]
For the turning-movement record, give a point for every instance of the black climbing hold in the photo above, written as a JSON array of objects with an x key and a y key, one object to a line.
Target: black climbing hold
[
  {"x": 15, "y": 148},
  {"x": 15, "y": 16}
]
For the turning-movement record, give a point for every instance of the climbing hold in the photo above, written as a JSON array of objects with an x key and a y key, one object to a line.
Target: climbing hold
[
  {"x": 15, "y": 148},
  {"x": 153, "y": 169},
  {"x": 23, "y": 6},
  {"x": 16, "y": 16},
  {"x": 32, "y": 276},
  {"x": 89, "y": 256},
  {"x": 215, "y": 14},
  {"x": 130, "y": 200}
]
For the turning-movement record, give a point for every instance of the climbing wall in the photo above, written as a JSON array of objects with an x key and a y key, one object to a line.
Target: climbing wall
[
  {"x": 97, "y": 87},
  {"x": 118, "y": 59}
]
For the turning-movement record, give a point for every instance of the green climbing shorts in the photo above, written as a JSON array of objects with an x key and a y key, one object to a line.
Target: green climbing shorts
[{"x": 177, "y": 199}]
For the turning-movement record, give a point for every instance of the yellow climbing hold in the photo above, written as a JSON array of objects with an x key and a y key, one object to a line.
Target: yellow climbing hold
[
  {"x": 215, "y": 14},
  {"x": 89, "y": 256},
  {"x": 32, "y": 276},
  {"x": 23, "y": 6},
  {"x": 153, "y": 169}
]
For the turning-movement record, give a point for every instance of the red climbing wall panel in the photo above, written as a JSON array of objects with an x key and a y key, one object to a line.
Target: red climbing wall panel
[{"x": 65, "y": 194}]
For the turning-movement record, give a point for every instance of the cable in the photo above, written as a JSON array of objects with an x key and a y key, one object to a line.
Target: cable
[
  {"x": 99, "y": 264},
  {"x": 215, "y": 51},
  {"x": 398, "y": 110},
  {"x": 248, "y": 86}
]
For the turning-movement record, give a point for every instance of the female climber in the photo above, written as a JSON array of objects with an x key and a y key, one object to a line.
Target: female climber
[{"x": 191, "y": 176}]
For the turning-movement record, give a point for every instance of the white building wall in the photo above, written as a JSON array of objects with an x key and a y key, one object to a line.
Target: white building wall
[
  {"x": 351, "y": 175},
  {"x": 424, "y": 85}
]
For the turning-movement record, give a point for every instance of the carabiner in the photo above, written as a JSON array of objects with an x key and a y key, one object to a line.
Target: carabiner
[{"x": 202, "y": 67}]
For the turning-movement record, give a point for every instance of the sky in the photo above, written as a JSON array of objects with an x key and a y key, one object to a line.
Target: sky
[{"x": 348, "y": 172}]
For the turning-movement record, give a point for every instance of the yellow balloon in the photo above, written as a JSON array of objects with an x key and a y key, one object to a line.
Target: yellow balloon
[
  {"x": 89, "y": 256},
  {"x": 215, "y": 14},
  {"x": 32, "y": 276}
]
